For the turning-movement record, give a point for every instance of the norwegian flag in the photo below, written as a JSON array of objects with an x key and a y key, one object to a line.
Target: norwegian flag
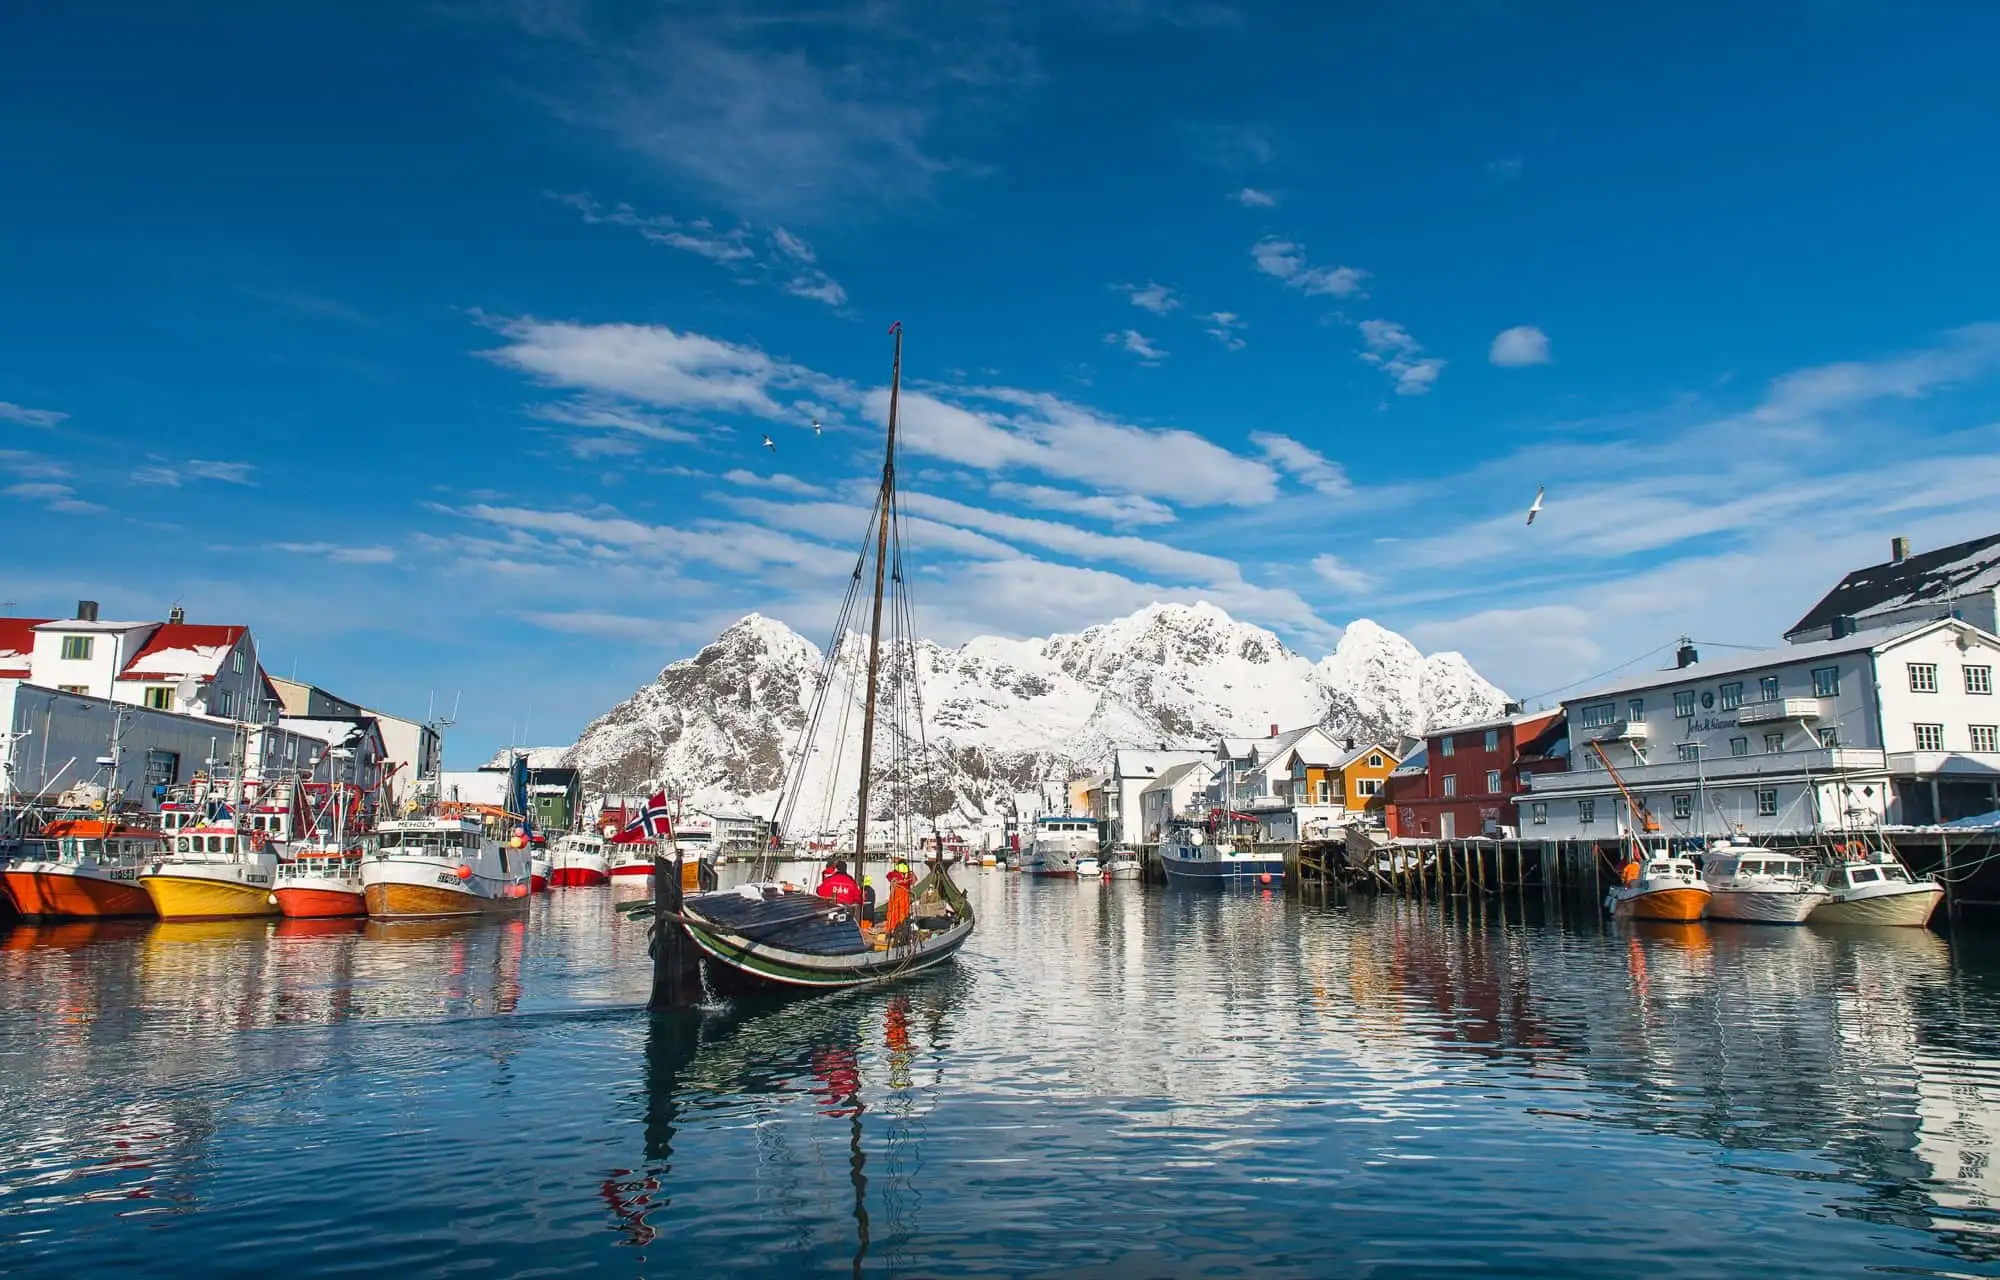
[{"x": 654, "y": 822}]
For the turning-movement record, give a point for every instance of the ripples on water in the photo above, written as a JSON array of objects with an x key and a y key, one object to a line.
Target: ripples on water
[{"x": 1115, "y": 1081}]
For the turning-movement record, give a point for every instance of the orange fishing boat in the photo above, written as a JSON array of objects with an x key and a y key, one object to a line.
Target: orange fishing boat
[
  {"x": 1658, "y": 884},
  {"x": 93, "y": 873},
  {"x": 321, "y": 882}
]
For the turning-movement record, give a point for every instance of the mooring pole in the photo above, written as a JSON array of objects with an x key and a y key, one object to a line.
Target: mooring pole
[{"x": 670, "y": 941}]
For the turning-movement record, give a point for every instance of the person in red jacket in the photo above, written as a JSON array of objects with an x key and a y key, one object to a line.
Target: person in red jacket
[{"x": 839, "y": 886}]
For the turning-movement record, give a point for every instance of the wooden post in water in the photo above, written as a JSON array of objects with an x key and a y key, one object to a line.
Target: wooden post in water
[
  {"x": 670, "y": 943},
  {"x": 1478, "y": 856},
  {"x": 1950, "y": 890}
]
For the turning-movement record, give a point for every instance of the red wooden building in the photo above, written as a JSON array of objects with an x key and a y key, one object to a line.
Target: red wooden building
[{"x": 1472, "y": 773}]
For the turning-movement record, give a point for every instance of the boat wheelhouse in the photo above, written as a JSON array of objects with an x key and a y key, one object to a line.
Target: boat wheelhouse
[
  {"x": 1867, "y": 886},
  {"x": 1658, "y": 883},
  {"x": 578, "y": 860},
  {"x": 1060, "y": 842},
  {"x": 443, "y": 865},
  {"x": 213, "y": 871},
  {"x": 1219, "y": 849},
  {"x": 1755, "y": 885},
  {"x": 91, "y": 871}
]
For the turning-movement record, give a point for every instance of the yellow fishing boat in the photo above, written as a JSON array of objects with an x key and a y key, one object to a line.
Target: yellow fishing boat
[{"x": 213, "y": 873}]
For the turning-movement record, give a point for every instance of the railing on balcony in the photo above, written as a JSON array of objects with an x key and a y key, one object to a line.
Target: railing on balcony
[
  {"x": 1777, "y": 710},
  {"x": 1620, "y": 731},
  {"x": 1713, "y": 769}
]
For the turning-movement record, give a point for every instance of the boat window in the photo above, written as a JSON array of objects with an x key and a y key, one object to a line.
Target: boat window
[
  {"x": 1863, "y": 875},
  {"x": 1895, "y": 874}
]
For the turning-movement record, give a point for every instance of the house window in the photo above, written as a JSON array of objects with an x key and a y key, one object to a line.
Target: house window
[
  {"x": 72, "y": 688},
  {"x": 1767, "y": 802},
  {"x": 1979, "y": 679},
  {"x": 1367, "y": 786},
  {"x": 1826, "y": 682},
  {"x": 1774, "y": 743},
  {"x": 1598, "y": 715},
  {"x": 1683, "y": 808},
  {"x": 1983, "y": 738},
  {"x": 163, "y": 768},
  {"x": 1635, "y": 711},
  {"x": 160, "y": 697},
  {"x": 1492, "y": 739},
  {"x": 1829, "y": 737},
  {"x": 1492, "y": 782},
  {"x": 1923, "y": 677},
  {"x": 1375, "y": 762},
  {"x": 1451, "y": 784},
  {"x": 1689, "y": 751},
  {"x": 1732, "y": 695},
  {"x": 1444, "y": 747},
  {"x": 1739, "y": 746},
  {"x": 1930, "y": 737},
  {"x": 1586, "y": 811},
  {"x": 1767, "y": 688},
  {"x": 76, "y": 648},
  {"x": 236, "y": 661},
  {"x": 1539, "y": 813},
  {"x": 1684, "y": 704},
  {"x": 223, "y": 702}
]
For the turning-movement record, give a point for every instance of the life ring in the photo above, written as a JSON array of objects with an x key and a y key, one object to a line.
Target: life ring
[{"x": 1853, "y": 851}]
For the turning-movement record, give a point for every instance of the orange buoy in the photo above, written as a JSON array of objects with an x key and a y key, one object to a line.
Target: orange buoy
[
  {"x": 1265, "y": 878},
  {"x": 464, "y": 872}
]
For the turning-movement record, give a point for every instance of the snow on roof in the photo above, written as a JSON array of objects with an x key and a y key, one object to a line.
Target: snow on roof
[
  {"x": 473, "y": 786},
  {"x": 88, "y": 624},
  {"x": 1517, "y": 719},
  {"x": 1168, "y": 780},
  {"x": 1787, "y": 655},
  {"x": 334, "y": 729},
  {"x": 1366, "y": 748},
  {"x": 17, "y": 641},
  {"x": 177, "y": 649},
  {"x": 1940, "y": 575},
  {"x": 1417, "y": 761}
]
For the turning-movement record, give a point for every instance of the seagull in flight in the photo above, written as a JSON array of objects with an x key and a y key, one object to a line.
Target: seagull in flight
[
  {"x": 770, "y": 444},
  {"x": 1536, "y": 509},
  {"x": 816, "y": 430}
]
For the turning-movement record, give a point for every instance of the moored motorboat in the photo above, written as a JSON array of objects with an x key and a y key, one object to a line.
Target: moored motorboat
[
  {"x": 1658, "y": 884},
  {"x": 632, "y": 860},
  {"x": 1124, "y": 865},
  {"x": 442, "y": 865},
  {"x": 1872, "y": 887},
  {"x": 1218, "y": 849},
  {"x": 1089, "y": 868},
  {"x": 90, "y": 871},
  {"x": 579, "y": 860},
  {"x": 213, "y": 872},
  {"x": 1754, "y": 885},
  {"x": 540, "y": 869},
  {"x": 321, "y": 882},
  {"x": 1058, "y": 843}
]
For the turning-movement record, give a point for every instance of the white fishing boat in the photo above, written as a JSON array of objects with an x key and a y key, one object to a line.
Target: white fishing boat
[
  {"x": 444, "y": 864},
  {"x": 1869, "y": 886},
  {"x": 1058, "y": 843},
  {"x": 579, "y": 861},
  {"x": 1089, "y": 868},
  {"x": 1124, "y": 865},
  {"x": 1755, "y": 885},
  {"x": 1220, "y": 849}
]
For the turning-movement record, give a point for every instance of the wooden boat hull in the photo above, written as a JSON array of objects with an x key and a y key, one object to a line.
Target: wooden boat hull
[
  {"x": 1911, "y": 909},
  {"x": 422, "y": 901},
  {"x": 1684, "y": 904},
  {"x": 193, "y": 897},
  {"x": 760, "y": 966},
  {"x": 56, "y": 895},
  {"x": 300, "y": 902}
]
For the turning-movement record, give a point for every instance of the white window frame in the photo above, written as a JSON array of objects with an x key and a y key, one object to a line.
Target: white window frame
[
  {"x": 1829, "y": 737},
  {"x": 1739, "y": 746},
  {"x": 1984, "y": 737},
  {"x": 1767, "y": 802},
  {"x": 1687, "y": 752},
  {"x": 1492, "y": 739},
  {"x": 1683, "y": 808},
  {"x": 1538, "y": 813},
  {"x": 1768, "y": 689},
  {"x": 1826, "y": 682},
  {"x": 1684, "y": 705},
  {"x": 1774, "y": 743},
  {"x": 1635, "y": 711},
  {"x": 1923, "y": 677},
  {"x": 1598, "y": 715},
  {"x": 1929, "y": 737},
  {"x": 1731, "y": 695},
  {"x": 1979, "y": 680},
  {"x": 1451, "y": 784},
  {"x": 1492, "y": 782},
  {"x": 1445, "y": 745},
  {"x": 1586, "y": 812}
]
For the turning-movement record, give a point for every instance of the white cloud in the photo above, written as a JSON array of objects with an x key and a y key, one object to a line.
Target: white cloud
[
  {"x": 1306, "y": 465},
  {"x": 30, "y": 417},
  {"x": 792, "y": 245},
  {"x": 1052, "y": 535},
  {"x": 1523, "y": 344},
  {"x": 1341, "y": 575},
  {"x": 1156, "y": 298},
  {"x": 339, "y": 554},
  {"x": 1966, "y": 352},
  {"x": 648, "y": 362},
  {"x": 1285, "y": 260},
  {"x": 1223, "y": 326},
  {"x": 787, "y": 261},
  {"x": 1133, "y": 341},
  {"x": 173, "y": 475},
  {"x": 818, "y": 286},
  {"x": 1252, "y": 198},
  {"x": 1392, "y": 350},
  {"x": 1120, "y": 508},
  {"x": 608, "y": 416},
  {"x": 781, "y": 483},
  {"x": 52, "y": 494}
]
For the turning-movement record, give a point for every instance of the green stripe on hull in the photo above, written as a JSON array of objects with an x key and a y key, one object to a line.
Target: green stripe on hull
[{"x": 750, "y": 961}]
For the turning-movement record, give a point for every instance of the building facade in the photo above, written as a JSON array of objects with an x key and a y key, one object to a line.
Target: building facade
[{"x": 1471, "y": 774}]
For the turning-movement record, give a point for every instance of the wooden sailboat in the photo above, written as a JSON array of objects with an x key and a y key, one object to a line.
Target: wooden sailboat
[{"x": 772, "y": 936}]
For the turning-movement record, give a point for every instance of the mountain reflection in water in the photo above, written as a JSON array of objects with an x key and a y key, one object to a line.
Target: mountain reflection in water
[{"x": 1116, "y": 1080}]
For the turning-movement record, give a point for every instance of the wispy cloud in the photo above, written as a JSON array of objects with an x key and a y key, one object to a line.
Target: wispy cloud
[
  {"x": 1505, "y": 169},
  {"x": 1523, "y": 344},
  {"x": 780, "y": 482},
  {"x": 52, "y": 494},
  {"x": 1114, "y": 508},
  {"x": 1223, "y": 327},
  {"x": 1392, "y": 350},
  {"x": 337, "y": 553},
  {"x": 1965, "y": 353},
  {"x": 604, "y": 626},
  {"x": 30, "y": 417},
  {"x": 605, "y": 416},
  {"x": 173, "y": 475},
  {"x": 779, "y": 257},
  {"x": 1136, "y": 343},
  {"x": 1252, "y": 198},
  {"x": 1306, "y": 465},
  {"x": 651, "y": 363},
  {"x": 1285, "y": 260},
  {"x": 1337, "y": 573},
  {"x": 1156, "y": 298}
]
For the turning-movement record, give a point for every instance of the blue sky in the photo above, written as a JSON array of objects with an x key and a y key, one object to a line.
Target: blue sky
[{"x": 437, "y": 342}]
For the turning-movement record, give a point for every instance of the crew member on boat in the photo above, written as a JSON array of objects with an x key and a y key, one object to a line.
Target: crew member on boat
[
  {"x": 838, "y": 885},
  {"x": 902, "y": 875},
  {"x": 897, "y": 918}
]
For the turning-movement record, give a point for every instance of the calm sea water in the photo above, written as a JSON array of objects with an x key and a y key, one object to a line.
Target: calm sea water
[{"x": 1113, "y": 1081}]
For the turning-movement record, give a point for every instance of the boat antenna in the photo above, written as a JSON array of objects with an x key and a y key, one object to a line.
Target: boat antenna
[{"x": 886, "y": 508}]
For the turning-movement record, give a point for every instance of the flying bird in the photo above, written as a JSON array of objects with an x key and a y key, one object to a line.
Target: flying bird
[
  {"x": 770, "y": 444},
  {"x": 816, "y": 430},
  {"x": 1536, "y": 509}
]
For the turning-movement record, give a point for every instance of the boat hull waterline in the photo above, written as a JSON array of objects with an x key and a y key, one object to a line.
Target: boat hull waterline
[
  {"x": 1753, "y": 906},
  {"x": 187, "y": 894},
  {"x": 803, "y": 970},
  {"x": 1682, "y": 904},
  {"x": 1909, "y": 909},
  {"x": 300, "y": 901},
  {"x": 50, "y": 892}
]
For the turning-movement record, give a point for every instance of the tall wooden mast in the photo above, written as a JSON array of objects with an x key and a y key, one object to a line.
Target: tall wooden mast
[{"x": 885, "y": 509}]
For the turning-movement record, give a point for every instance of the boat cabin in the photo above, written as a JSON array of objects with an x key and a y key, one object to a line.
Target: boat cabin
[
  {"x": 431, "y": 837},
  {"x": 274, "y": 823},
  {"x": 1746, "y": 863},
  {"x": 100, "y": 842},
  {"x": 1847, "y": 875},
  {"x": 213, "y": 844}
]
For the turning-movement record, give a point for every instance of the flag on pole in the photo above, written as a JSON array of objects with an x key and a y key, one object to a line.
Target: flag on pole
[{"x": 654, "y": 822}]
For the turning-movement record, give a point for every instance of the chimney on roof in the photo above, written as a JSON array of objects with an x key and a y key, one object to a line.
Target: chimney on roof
[
  {"x": 1843, "y": 626},
  {"x": 1510, "y": 708},
  {"x": 176, "y": 616},
  {"x": 1347, "y": 744},
  {"x": 1899, "y": 549},
  {"x": 1687, "y": 655},
  {"x": 1274, "y": 731},
  {"x": 86, "y": 611}
]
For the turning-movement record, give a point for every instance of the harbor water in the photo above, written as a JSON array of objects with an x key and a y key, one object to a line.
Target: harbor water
[{"x": 1118, "y": 1080}]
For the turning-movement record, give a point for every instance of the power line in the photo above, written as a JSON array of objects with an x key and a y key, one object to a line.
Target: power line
[{"x": 1537, "y": 697}]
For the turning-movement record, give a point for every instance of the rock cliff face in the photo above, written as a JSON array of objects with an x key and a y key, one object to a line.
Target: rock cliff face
[{"x": 1007, "y": 718}]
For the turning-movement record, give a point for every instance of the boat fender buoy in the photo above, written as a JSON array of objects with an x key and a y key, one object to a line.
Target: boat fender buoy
[
  {"x": 271, "y": 898},
  {"x": 1265, "y": 878},
  {"x": 517, "y": 891},
  {"x": 464, "y": 872}
]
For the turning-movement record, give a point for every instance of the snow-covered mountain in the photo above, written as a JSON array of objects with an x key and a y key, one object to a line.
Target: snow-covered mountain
[{"x": 1012, "y": 717}]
